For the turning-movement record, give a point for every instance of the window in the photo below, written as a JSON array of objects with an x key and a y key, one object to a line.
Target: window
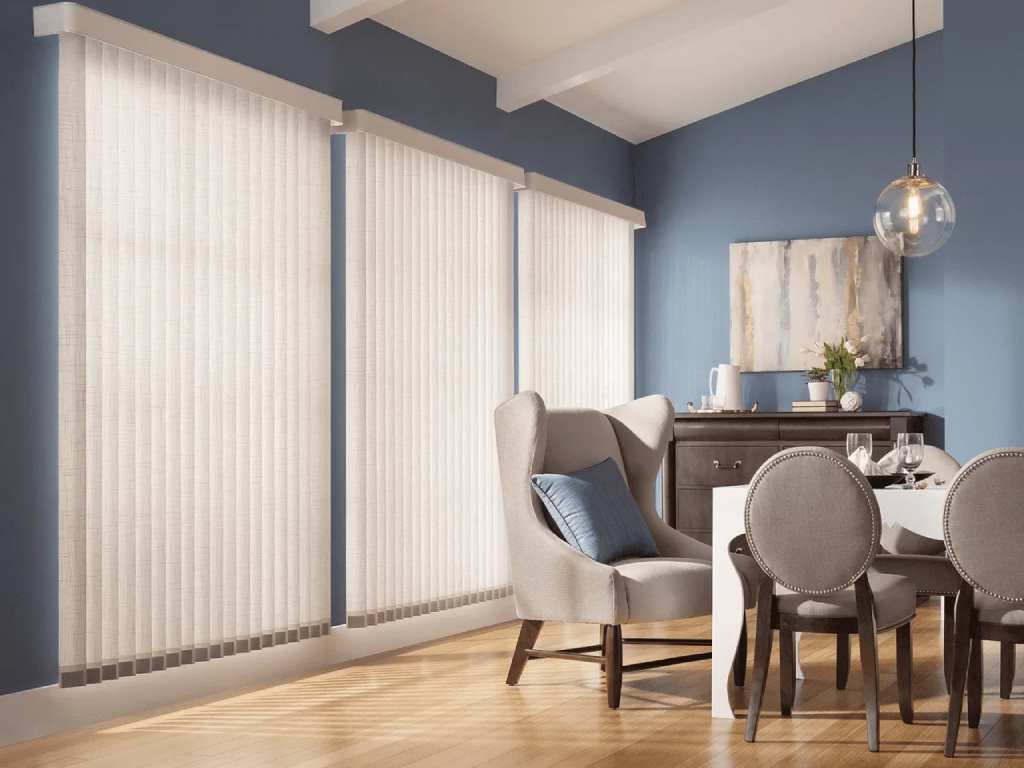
[
  {"x": 430, "y": 354},
  {"x": 194, "y": 365}
]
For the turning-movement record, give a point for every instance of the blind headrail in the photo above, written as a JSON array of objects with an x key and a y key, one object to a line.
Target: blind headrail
[
  {"x": 363, "y": 121},
  {"x": 72, "y": 18},
  {"x": 555, "y": 188}
]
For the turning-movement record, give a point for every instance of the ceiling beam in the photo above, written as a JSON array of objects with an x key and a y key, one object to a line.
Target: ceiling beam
[
  {"x": 331, "y": 15},
  {"x": 625, "y": 45}
]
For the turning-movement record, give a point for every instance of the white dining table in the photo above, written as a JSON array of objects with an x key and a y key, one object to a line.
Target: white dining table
[{"x": 918, "y": 510}]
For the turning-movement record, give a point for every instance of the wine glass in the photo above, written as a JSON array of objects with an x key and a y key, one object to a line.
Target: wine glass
[
  {"x": 859, "y": 448},
  {"x": 910, "y": 453}
]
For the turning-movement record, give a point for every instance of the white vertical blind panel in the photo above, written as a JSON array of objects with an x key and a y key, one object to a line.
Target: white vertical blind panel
[
  {"x": 194, "y": 367},
  {"x": 429, "y": 346},
  {"x": 575, "y": 303}
]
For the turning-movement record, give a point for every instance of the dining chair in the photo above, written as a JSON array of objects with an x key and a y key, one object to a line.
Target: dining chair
[
  {"x": 552, "y": 581},
  {"x": 923, "y": 559},
  {"x": 984, "y": 537},
  {"x": 813, "y": 526}
]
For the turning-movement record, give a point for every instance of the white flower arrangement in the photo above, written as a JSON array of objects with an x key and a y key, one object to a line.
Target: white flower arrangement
[{"x": 841, "y": 359}]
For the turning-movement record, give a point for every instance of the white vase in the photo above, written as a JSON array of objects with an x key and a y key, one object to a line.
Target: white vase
[{"x": 818, "y": 390}]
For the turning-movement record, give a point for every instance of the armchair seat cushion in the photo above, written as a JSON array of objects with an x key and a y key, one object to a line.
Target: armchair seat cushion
[
  {"x": 665, "y": 588},
  {"x": 992, "y": 610},
  {"x": 931, "y": 574},
  {"x": 895, "y": 601}
]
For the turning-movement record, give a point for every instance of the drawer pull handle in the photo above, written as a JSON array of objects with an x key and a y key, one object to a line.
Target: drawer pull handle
[{"x": 719, "y": 468}]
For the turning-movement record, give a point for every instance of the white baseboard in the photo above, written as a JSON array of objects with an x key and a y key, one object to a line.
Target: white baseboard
[{"x": 43, "y": 711}]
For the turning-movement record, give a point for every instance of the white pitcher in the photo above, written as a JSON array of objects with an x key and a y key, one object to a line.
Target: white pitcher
[{"x": 726, "y": 390}]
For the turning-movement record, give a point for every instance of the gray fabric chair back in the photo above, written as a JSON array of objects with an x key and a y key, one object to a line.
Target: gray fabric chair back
[
  {"x": 812, "y": 520},
  {"x": 942, "y": 464},
  {"x": 983, "y": 523}
]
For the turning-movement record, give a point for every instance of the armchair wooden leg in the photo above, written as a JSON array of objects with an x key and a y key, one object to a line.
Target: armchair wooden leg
[
  {"x": 961, "y": 651},
  {"x": 739, "y": 662},
  {"x": 842, "y": 660},
  {"x": 762, "y": 655},
  {"x": 974, "y": 678},
  {"x": 527, "y": 637},
  {"x": 613, "y": 664},
  {"x": 1007, "y": 667},
  {"x": 948, "y": 636},
  {"x": 868, "y": 658},
  {"x": 905, "y": 672},
  {"x": 787, "y": 671}
]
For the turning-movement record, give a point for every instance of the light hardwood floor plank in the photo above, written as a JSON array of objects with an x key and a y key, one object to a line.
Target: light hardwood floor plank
[{"x": 446, "y": 705}]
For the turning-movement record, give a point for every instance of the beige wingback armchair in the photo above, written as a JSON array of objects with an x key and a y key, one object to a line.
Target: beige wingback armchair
[{"x": 552, "y": 581}]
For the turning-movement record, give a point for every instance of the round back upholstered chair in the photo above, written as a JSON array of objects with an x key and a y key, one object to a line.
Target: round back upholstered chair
[
  {"x": 551, "y": 580},
  {"x": 922, "y": 559},
  {"x": 813, "y": 527},
  {"x": 983, "y": 525}
]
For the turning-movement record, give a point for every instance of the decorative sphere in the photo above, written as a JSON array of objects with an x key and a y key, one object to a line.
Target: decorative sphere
[
  {"x": 914, "y": 216},
  {"x": 851, "y": 401}
]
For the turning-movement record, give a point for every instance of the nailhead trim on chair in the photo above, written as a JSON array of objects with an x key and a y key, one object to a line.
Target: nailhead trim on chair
[
  {"x": 967, "y": 470},
  {"x": 820, "y": 453}
]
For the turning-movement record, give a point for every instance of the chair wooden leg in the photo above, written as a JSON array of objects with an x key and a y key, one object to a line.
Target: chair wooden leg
[
  {"x": 739, "y": 662},
  {"x": 948, "y": 622},
  {"x": 958, "y": 679},
  {"x": 613, "y": 663},
  {"x": 787, "y": 671},
  {"x": 974, "y": 678},
  {"x": 842, "y": 660},
  {"x": 1007, "y": 668},
  {"x": 905, "y": 672},
  {"x": 600, "y": 641},
  {"x": 762, "y": 654},
  {"x": 868, "y": 657},
  {"x": 527, "y": 637}
]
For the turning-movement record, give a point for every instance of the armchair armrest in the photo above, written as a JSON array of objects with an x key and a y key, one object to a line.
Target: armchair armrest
[{"x": 554, "y": 582}]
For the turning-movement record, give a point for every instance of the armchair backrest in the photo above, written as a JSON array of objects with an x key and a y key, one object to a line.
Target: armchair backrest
[
  {"x": 982, "y": 523},
  {"x": 812, "y": 520},
  {"x": 532, "y": 439}
]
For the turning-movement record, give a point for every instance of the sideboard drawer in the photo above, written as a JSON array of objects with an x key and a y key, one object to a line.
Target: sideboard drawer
[
  {"x": 811, "y": 431},
  {"x": 709, "y": 430},
  {"x": 712, "y": 466}
]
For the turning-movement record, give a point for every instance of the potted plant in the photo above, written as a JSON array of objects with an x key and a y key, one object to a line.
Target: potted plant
[
  {"x": 841, "y": 359},
  {"x": 817, "y": 383}
]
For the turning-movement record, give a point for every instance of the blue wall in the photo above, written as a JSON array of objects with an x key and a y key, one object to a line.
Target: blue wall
[
  {"x": 983, "y": 315},
  {"x": 807, "y": 161},
  {"x": 369, "y": 66}
]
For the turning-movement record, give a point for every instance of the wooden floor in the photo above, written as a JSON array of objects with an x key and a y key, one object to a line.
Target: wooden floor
[{"x": 447, "y": 705}]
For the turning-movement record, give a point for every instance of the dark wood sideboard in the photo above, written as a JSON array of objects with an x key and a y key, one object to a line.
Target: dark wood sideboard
[{"x": 708, "y": 450}]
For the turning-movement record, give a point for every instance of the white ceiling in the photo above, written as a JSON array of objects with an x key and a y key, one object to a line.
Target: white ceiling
[{"x": 640, "y": 68}]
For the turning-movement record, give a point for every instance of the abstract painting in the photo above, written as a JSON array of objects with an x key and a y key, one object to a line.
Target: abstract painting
[{"x": 786, "y": 295}]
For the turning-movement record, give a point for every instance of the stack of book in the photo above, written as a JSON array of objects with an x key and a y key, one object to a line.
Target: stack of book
[{"x": 815, "y": 406}]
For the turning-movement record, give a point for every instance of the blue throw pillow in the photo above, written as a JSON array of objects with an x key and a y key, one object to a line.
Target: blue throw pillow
[{"x": 596, "y": 513}]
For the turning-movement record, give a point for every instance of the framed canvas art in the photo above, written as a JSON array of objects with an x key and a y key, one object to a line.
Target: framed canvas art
[{"x": 786, "y": 295}]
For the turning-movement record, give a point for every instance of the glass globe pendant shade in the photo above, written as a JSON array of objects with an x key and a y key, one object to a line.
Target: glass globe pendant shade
[{"x": 914, "y": 215}]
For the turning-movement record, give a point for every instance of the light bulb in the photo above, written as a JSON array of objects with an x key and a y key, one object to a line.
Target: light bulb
[
  {"x": 913, "y": 212},
  {"x": 914, "y": 215}
]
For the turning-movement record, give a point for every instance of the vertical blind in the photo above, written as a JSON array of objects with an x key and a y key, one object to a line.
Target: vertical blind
[
  {"x": 194, "y": 367},
  {"x": 575, "y": 303},
  {"x": 429, "y": 335}
]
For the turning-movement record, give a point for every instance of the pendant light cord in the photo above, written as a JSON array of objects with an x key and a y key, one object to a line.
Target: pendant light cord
[{"x": 913, "y": 80}]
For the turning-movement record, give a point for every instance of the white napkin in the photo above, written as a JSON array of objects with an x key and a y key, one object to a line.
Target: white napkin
[
  {"x": 862, "y": 459},
  {"x": 888, "y": 464}
]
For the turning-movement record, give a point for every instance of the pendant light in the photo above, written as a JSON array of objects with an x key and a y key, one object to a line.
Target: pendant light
[{"x": 914, "y": 215}]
